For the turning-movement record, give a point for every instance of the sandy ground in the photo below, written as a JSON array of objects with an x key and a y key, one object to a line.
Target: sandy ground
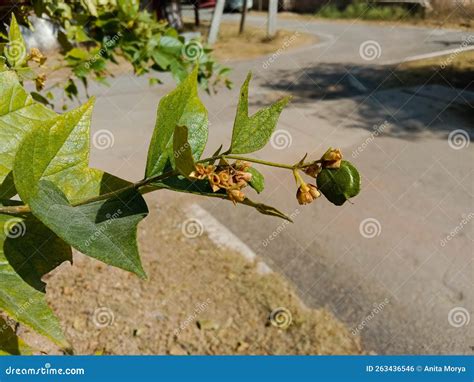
[{"x": 198, "y": 300}]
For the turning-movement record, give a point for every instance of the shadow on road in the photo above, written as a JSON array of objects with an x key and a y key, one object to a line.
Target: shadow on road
[{"x": 444, "y": 97}]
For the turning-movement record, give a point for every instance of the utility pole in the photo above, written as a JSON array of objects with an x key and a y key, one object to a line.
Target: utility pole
[
  {"x": 216, "y": 22},
  {"x": 272, "y": 18}
]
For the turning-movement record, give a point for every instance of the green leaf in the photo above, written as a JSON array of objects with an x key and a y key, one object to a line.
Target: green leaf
[
  {"x": 105, "y": 230},
  {"x": 258, "y": 181},
  {"x": 90, "y": 6},
  {"x": 15, "y": 50},
  {"x": 29, "y": 251},
  {"x": 266, "y": 209},
  {"x": 181, "y": 107},
  {"x": 183, "y": 157},
  {"x": 252, "y": 133},
  {"x": 339, "y": 185},
  {"x": 19, "y": 114},
  {"x": 58, "y": 151},
  {"x": 10, "y": 343}
]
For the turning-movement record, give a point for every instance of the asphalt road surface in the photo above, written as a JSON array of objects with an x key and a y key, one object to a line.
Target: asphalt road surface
[{"x": 397, "y": 264}]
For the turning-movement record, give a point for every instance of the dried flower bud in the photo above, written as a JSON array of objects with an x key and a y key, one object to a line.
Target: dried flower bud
[
  {"x": 313, "y": 170},
  {"x": 37, "y": 56},
  {"x": 215, "y": 182},
  {"x": 235, "y": 195},
  {"x": 241, "y": 165},
  {"x": 202, "y": 172},
  {"x": 225, "y": 177},
  {"x": 40, "y": 80},
  {"x": 307, "y": 193},
  {"x": 242, "y": 175},
  {"x": 332, "y": 158}
]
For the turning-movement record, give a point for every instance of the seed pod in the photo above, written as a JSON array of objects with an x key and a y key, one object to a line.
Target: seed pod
[{"x": 339, "y": 185}]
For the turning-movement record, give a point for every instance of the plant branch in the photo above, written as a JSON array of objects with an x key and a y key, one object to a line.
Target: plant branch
[{"x": 15, "y": 210}]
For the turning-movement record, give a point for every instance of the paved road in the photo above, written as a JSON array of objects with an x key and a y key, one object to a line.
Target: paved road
[{"x": 400, "y": 285}]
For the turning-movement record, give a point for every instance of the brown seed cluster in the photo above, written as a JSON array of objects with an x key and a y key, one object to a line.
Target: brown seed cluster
[
  {"x": 230, "y": 177},
  {"x": 306, "y": 193}
]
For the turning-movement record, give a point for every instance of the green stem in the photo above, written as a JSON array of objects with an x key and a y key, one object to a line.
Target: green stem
[
  {"x": 252, "y": 160},
  {"x": 143, "y": 185}
]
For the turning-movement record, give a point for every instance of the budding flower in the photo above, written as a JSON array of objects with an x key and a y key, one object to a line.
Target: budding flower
[
  {"x": 235, "y": 195},
  {"x": 332, "y": 158},
  {"x": 307, "y": 193}
]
